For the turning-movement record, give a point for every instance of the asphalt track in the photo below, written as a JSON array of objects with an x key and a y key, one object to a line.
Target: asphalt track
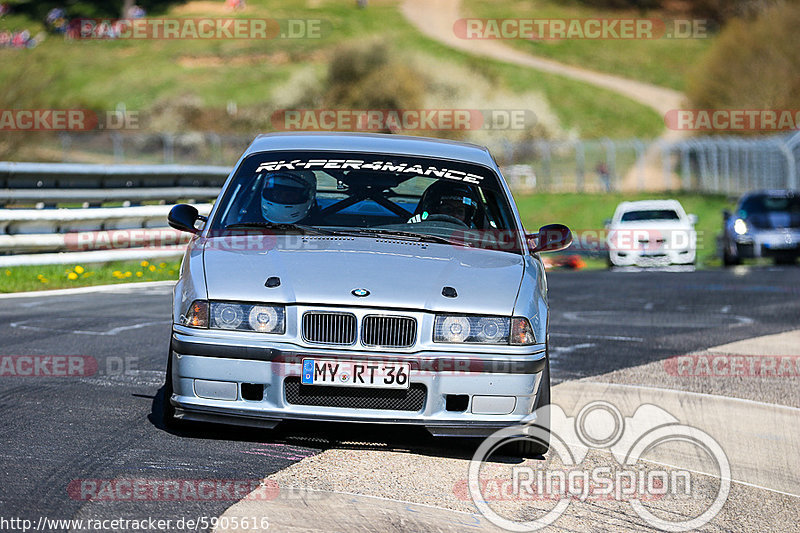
[{"x": 57, "y": 430}]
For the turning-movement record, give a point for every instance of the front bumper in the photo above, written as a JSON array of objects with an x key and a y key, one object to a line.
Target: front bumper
[
  {"x": 654, "y": 258},
  {"x": 493, "y": 390},
  {"x": 773, "y": 243}
]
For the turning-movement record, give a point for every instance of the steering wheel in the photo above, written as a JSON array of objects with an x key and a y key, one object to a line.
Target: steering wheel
[{"x": 446, "y": 218}]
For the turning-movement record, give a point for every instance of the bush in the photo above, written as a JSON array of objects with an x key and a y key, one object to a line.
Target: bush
[
  {"x": 367, "y": 76},
  {"x": 751, "y": 65},
  {"x": 720, "y": 11}
]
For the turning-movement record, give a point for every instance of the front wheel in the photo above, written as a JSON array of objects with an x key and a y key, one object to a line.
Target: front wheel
[
  {"x": 167, "y": 409},
  {"x": 539, "y": 446},
  {"x": 728, "y": 259}
]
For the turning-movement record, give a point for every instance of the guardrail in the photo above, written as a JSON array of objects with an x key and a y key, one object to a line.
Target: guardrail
[{"x": 33, "y": 231}]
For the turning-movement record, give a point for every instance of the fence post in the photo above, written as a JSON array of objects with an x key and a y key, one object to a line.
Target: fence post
[
  {"x": 639, "y": 147},
  {"x": 791, "y": 164},
  {"x": 116, "y": 142},
  {"x": 546, "y": 161},
  {"x": 685, "y": 167},
  {"x": 169, "y": 147},
  {"x": 666, "y": 167},
  {"x": 580, "y": 165}
]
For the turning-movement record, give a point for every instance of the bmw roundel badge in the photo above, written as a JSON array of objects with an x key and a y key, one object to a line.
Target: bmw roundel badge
[{"x": 360, "y": 292}]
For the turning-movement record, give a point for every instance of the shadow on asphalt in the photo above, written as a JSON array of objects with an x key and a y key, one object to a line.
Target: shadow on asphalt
[{"x": 330, "y": 435}]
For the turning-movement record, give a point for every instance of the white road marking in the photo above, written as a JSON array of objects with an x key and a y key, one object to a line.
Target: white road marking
[
  {"x": 117, "y": 287},
  {"x": 569, "y": 349},
  {"x": 601, "y": 337},
  {"x": 112, "y": 331}
]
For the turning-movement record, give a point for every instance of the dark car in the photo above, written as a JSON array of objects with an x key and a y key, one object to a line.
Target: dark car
[{"x": 765, "y": 224}]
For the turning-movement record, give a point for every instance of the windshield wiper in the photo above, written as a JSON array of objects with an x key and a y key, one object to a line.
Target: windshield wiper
[
  {"x": 422, "y": 237},
  {"x": 305, "y": 230}
]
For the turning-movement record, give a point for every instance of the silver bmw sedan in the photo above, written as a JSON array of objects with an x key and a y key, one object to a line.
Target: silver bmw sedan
[{"x": 361, "y": 278}]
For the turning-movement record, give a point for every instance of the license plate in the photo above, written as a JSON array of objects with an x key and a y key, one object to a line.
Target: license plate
[{"x": 355, "y": 373}]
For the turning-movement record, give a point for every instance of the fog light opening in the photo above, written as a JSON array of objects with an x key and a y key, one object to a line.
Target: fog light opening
[
  {"x": 457, "y": 402},
  {"x": 253, "y": 392}
]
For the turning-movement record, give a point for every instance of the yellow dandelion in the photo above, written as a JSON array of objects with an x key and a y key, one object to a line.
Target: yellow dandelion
[
  {"x": 72, "y": 276},
  {"x": 116, "y": 274},
  {"x": 44, "y": 279},
  {"x": 79, "y": 269},
  {"x": 144, "y": 263},
  {"x": 8, "y": 272},
  {"x": 39, "y": 276},
  {"x": 171, "y": 272},
  {"x": 162, "y": 265},
  {"x": 139, "y": 274},
  {"x": 128, "y": 274},
  {"x": 152, "y": 268}
]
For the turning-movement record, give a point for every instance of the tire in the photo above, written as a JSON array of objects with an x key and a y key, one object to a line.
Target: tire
[
  {"x": 531, "y": 447},
  {"x": 728, "y": 259},
  {"x": 784, "y": 261},
  {"x": 167, "y": 409}
]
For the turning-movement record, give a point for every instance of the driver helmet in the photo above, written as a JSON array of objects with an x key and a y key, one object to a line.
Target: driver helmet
[
  {"x": 453, "y": 199},
  {"x": 288, "y": 196}
]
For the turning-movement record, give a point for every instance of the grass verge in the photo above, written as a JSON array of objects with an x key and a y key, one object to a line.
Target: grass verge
[{"x": 46, "y": 277}]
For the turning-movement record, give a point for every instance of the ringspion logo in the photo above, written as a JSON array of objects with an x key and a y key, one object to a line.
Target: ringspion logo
[{"x": 631, "y": 475}]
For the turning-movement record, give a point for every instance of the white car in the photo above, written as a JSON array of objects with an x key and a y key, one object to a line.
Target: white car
[{"x": 651, "y": 233}]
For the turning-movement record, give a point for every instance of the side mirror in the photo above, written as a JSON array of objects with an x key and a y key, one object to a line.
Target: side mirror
[
  {"x": 692, "y": 219},
  {"x": 182, "y": 217},
  {"x": 607, "y": 222},
  {"x": 551, "y": 238},
  {"x": 726, "y": 214}
]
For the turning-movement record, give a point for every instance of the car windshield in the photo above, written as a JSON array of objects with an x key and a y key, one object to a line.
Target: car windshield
[
  {"x": 404, "y": 197},
  {"x": 650, "y": 214},
  {"x": 765, "y": 204}
]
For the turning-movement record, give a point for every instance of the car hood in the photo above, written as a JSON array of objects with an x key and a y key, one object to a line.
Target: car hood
[{"x": 398, "y": 274}]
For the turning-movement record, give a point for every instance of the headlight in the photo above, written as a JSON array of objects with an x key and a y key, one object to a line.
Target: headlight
[
  {"x": 248, "y": 317},
  {"x": 740, "y": 226},
  {"x": 482, "y": 330}
]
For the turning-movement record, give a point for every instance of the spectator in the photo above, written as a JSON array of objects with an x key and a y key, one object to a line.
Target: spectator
[
  {"x": 604, "y": 175},
  {"x": 136, "y": 12},
  {"x": 56, "y": 20}
]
